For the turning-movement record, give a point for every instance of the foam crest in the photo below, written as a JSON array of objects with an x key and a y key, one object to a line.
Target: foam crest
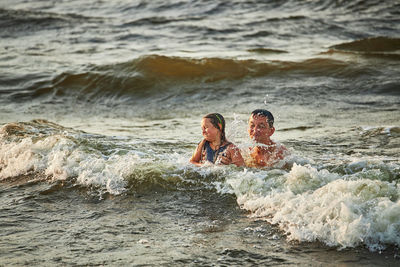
[
  {"x": 16, "y": 159},
  {"x": 109, "y": 172},
  {"x": 255, "y": 182},
  {"x": 303, "y": 178},
  {"x": 372, "y": 168},
  {"x": 388, "y": 130},
  {"x": 61, "y": 157},
  {"x": 310, "y": 205}
]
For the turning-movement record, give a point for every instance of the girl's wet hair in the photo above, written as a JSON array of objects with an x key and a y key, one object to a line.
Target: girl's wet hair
[
  {"x": 218, "y": 121},
  {"x": 264, "y": 113}
]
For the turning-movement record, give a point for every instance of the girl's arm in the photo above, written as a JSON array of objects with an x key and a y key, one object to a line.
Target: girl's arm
[{"x": 196, "y": 157}]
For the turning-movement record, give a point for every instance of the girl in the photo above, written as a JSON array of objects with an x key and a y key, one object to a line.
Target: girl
[{"x": 214, "y": 148}]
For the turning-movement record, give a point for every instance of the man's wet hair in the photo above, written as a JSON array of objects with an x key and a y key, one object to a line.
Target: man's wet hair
[{"x": 264, "y": 113}]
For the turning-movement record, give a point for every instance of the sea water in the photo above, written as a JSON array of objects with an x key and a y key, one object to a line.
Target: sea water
[{"x": 100, "y": 110}]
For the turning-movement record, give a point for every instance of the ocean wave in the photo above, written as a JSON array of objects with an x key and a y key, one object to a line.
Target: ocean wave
[
  {"x": 380, "y": 47},
  {"x": 316, "y": 205},
  {"x": 352, "y": 204},
  {"x": 261, "y": 50},
  {"x": 151, "y": 21},
  {"x": 54, "y": 153},
  {"x": 374, "y": 131},
  {"x": 154, "y": 74},
  {"x": 373, "y": 44},
  {"x": 21, "y": 21},
  {"x": 58, "y": 153},
  {"x": 365, "y": 6}
]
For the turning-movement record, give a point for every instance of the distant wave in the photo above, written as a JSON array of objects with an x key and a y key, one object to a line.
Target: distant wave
[
  {"x": 261, "y": 50},
  {"x": 151, "y": 74},
  {"x": 383, "y": 47},
  {"x": 375, "y": 44},
  {"x": 26, "y": 22}
]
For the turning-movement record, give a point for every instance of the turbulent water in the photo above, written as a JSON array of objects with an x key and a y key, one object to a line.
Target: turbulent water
[{"x": 100, "y": 110}]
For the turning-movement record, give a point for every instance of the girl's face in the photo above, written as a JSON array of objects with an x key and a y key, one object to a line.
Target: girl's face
[{"x": 210, "y": 133}]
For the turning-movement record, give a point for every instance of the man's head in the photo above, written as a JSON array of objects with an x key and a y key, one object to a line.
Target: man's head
[{"x": 261, "y": 126}]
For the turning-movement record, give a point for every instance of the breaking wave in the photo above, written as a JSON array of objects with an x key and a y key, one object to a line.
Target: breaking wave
[{"x": 357, "y": 206}]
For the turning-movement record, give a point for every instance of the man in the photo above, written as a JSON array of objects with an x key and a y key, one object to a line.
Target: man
[{"x": 266, "y": 153}]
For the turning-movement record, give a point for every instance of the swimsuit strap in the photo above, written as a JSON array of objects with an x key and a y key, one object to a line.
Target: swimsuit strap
[{"x": 210, "y": 154}]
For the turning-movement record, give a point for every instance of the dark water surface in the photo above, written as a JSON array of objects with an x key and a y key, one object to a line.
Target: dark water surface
[{"x": 100, "y": 109}]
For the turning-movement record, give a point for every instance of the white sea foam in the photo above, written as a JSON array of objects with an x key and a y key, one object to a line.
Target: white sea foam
[
  {"x": 359, "y": 206},
  {"x": 310, "y": 204},
  {"x": 60, "y": 158},
  {"x": 373, "y": 130},
  {"x": 304, "y": 178},
  {"x": 16, "y": 159}
]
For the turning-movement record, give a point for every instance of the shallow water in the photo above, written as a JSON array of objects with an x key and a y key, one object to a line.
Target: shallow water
[
  {"x": 100, "y": 109},
  {"x": 177, "y": 228}
]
